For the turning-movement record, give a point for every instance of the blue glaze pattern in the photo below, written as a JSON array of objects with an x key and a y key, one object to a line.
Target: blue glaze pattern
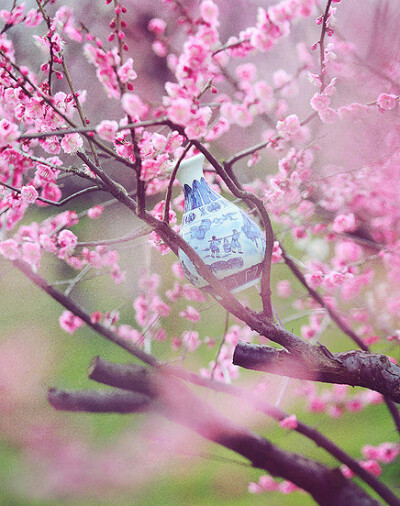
[{"x": 227, "y": 240}]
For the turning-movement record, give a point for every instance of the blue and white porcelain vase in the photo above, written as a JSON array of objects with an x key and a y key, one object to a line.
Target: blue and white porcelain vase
[{"x": 226, "y": 239}]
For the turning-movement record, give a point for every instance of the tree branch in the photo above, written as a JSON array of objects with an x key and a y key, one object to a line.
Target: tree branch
[
  {"x": 355, "y": 368},
  {"x": 139, "y": 379},
  {"x": 97, "y": 401},
  {"x": 62, "y": 202},
  {"x": 174, "y": 401}
]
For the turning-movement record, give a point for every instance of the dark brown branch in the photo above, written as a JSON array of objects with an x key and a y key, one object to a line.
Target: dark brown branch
[
  {"x": 133, "y": 377},
  {"x": 138, "y": 379},
  {"x": 355, "y": 368},
  {"x": 322, "y": 45},
  {"x": 171, "y": 183},
  {"x": 97, "y": 401},
  {"x": 174, "y": 401},
  {"x": 246, "y": 152},
  {"x": 91, "y": 130}
]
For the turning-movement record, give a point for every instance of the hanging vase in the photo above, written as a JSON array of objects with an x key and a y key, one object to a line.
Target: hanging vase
[{"x": 225, "y": 238}]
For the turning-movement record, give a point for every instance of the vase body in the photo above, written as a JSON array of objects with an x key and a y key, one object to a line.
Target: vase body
[{"x": 226, "y": 239}]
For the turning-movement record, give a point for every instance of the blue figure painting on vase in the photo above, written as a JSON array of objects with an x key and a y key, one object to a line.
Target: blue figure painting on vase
[{"x": 227, "y": 240}]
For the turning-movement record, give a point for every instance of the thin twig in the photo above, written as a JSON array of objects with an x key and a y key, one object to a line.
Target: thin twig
[
  {"x": 171, "y": 182},
  {"x": 62, "y": 202}
]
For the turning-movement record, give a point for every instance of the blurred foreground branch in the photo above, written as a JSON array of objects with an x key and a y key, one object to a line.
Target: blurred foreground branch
[{"x": 144, "y": 390}]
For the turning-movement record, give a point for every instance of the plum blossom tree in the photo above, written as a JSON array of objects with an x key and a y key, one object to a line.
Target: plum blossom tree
[{"x": 297, "y": 115}]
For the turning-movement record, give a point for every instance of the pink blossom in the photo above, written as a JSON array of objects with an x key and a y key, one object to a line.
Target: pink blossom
[
  {"x": 190, "y": 339},
  {"x": 308, "y": 331},
  {"x": 157, "y": 26},
  {"x": 33, "y": 18},
  {"x": 276, "y": 253},
  {"x": 353, "y": 112},
  {"x": 9, "y": 249},
  {"x": 51, "y": 145},
  {"x": 328, "y": 115},
  {"x": 241, "y": 115},
  {"x": 13, "y": 17},
  {"x": 67, "y": 239},
  {"x": 267, "y": 483},
  {"x": 191, "y": 314},
  {"x": 162, "y": 308},
  {"x": 287, "y": 487},
  {"x": 31, "y": 253},
  {"x": 69, "y": 322},
  {"x": 150, "y": 168},
  {"x": 316, "y": 404},
  {"x": 290, "y": 422},
  {"x": 189, "y": 292},
  {"x": 95, "y": 259},
  {"x": 354, "y": 405},
  {"x": 96, "y": 317},
  {"x": 197, "y": 126},
  {"x": 284, "y": 288},
  {"x": 133, "y": 105},
  {"x": 179, "y": 110},
  {"x": 372, "y": 467},
  {"x": 246, "y": 72},
  {"x": 71, "y": 143},
  {"x": 320, "y": 101},
  {"x": 126, "y": 73},
  {"x": 29, "y": 194},
  {"x": 117, "y": 275},
  {"x": 156, "y": 242},
  {"x": 159, "y": 48},
  {"x": 45, "y": 173},
  {"x": 346, "y": 471},
  {"x": 175, "y": 293},
  {"x": 209, "y": 12},
  {"x": 95, "y": 211},
  {"x": 107, "y": 130},
  {"x": 254, "y": 488},
  {"x": 387, "y": 452},
  {"x": 386, "y": 101},
  {"x": 8, "y": 132},
  {"x": 177, "y": 270},
  {"x": 289, "y": 126},
  {"x": 344, "y": 223},
  {"x": 129, "y": 334}
]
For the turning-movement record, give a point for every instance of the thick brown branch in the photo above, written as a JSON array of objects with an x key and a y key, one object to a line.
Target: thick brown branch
[
  {"x": 97, "y": 401},
  {"x": 139, "y": 379},
  {"x": 355, "y": 368},
  {"x": 174, "y": 401}
]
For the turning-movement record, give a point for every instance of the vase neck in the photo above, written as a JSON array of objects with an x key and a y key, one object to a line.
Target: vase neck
[{"x": 190, "y": 169}]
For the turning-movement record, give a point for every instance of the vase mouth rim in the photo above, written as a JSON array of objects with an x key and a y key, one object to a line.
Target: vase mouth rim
[
  {"x": 189, "y": 168},
  {"x": 192, "y": 160}
]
